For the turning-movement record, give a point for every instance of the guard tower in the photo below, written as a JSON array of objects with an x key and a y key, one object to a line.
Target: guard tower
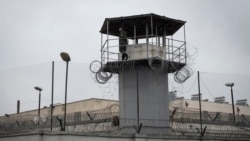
[{"x": 151, "y": 53}]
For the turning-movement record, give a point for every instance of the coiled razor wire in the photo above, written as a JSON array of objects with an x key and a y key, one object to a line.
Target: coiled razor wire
[
  {"x": 186, "y": 72},
  {"x": 103, "y": 77},
  {"x": 183, "y": 74},
  {"x": 156, "y": 64},
  {"x": 100, "y": 76},
  {"x": 95, "y": 66}
]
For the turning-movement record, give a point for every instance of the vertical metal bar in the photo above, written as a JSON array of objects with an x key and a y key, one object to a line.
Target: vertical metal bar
[
  {"x": 164, "y": 36},
  {"x": 172, "y": 46},
  {"x": 39, "y": 104},
  {"x": 107, "y": 41},
  {"x": 199, "y": 92},
  {"x": 238, "y": 114},
  {"x": 164, "y": 41},
  {"x": 232, "y": 102},
  {"x": 168, "y": 50},
  {"x": 179, "y": 55},
  {"x": 52, "y": 97},
  {"x": 137, "y": 94},
  {"x": 101, "y": 49},
  {"x": 238, "y": 117},
  {"x": 134, "y": 34},
  {"x": 184, "y": 33},
  {"x": 156, "y": 39},
  {"x": 147, "y": 38},
  {"x": 65, "y": 102},
  {"x": 152, "y": 28},
  {"x": 18, "y": 106},
  {"x": 185, "y": 44}
]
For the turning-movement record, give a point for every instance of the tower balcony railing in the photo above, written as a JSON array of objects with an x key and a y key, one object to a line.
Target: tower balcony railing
[{"x": 172, "y": 50}]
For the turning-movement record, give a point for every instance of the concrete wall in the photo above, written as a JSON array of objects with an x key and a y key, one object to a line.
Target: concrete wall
[
  {"x": 77, "y": 106},
  {"x": 152, "y": 90},
  {"x": 79, "y": 137},
  {"x": 209, "y": 106},
  {"x": 142, "y": 51}
]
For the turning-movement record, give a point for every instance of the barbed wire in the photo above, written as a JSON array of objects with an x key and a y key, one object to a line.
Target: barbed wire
[{"x": 107, "y": 121}]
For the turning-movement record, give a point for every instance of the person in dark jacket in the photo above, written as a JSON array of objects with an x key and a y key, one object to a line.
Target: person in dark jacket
[{"x": 123, "y": 42}]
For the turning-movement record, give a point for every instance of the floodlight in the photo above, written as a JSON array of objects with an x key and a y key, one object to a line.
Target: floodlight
[
  {"x": 65, "y": 56},
  {"x": 229, "y": 84},
  {"x": 38, "y": 88}
]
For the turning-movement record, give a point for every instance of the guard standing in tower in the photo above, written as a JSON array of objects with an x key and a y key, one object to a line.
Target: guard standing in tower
[{"x": 123, "y": 42}]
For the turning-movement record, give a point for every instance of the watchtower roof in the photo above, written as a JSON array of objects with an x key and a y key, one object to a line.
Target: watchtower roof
[{"x": 140, "y": 22}]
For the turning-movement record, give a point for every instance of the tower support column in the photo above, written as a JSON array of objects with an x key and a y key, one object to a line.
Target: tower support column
[{"x": 143, "y": 96}]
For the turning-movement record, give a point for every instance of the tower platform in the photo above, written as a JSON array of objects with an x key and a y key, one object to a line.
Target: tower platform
[{"x": 166, "y": 66}]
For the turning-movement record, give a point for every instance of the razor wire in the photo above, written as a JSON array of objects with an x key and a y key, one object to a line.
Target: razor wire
[
  {"x": 100, "y": 76},
  {"x": 180, "y": 76},
  {"x": 183, "y": 74},
  {"x": 108, "y": 121},
  {"x": 157, "y": 65}
]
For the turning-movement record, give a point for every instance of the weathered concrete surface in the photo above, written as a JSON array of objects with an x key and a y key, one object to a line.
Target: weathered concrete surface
[
  {"x": 61, "y": 136},
  {"x": 47, "y": 136},
  {"x": 143, "y": 94}
]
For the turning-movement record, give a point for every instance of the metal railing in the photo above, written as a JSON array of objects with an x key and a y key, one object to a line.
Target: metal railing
[{"x": 175, "y": 50}]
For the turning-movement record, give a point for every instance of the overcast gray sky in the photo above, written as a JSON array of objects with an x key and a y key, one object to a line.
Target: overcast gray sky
[{"x": 33, "y": 33}]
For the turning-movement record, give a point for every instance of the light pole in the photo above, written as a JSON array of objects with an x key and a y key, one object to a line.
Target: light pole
[
  {"x": 231, "y": 85},
  {"x": 65, "y": 56},
  {"x": 39, "y": 103}
]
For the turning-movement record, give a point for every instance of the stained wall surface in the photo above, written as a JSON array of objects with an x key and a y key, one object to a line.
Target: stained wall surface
[{"x": 144, "y": 92}]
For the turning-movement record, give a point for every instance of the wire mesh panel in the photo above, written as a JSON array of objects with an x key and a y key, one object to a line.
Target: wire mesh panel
[{"x": 105, "y": 121}]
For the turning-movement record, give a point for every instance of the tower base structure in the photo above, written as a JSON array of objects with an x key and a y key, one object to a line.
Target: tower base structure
[{"x": 143, "y": 96}]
